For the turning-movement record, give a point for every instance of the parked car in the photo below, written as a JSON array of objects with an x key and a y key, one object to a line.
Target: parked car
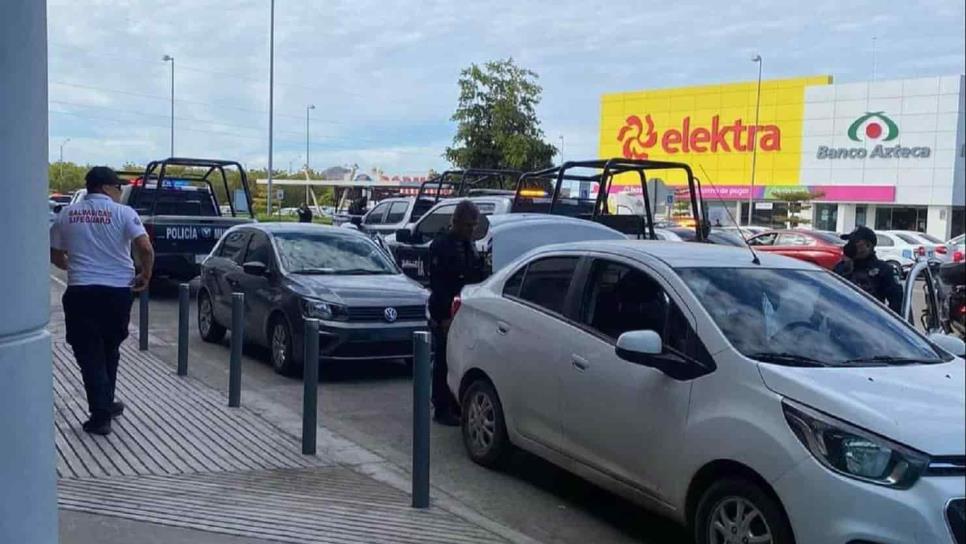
[
  {"x": 770, "y": 402},
  {"x": 747, "y": 231},
  {"x": 957, "y": 248},
  {"x": 684, "y": 234},
  {"x": 816, "y": 247},
  {"x": 388, "y": 216},
  {"x": 902, "y": 249},
  {"x": 924, "y": 245},
  {"x": 290, "y": 271}
]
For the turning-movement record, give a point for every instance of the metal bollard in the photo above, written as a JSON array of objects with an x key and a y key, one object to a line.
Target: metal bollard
[
  {"x": 421, "y": 394},
  {"x": 143, "y": 320},
  {"x": 184, "y": 303},
  {"x": 310, "y": 378},
  {"x": 237, "y": 337}
]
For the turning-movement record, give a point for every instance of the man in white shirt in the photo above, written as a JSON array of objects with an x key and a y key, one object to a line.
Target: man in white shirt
[{"x": 92, "y": 240}]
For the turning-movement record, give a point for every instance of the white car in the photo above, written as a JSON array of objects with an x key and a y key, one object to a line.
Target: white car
[
  {"x": 957, "y": 248},
  {"x": 920, "y": 244},
  {"x": 769, "y": 403}
]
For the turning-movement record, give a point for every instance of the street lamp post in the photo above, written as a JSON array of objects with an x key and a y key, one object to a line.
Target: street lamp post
[
  {"x": 308, "y": 108},
  {"x": 271, "y": 100},
  {"x": 60, "y": 175},
  {"x": 561, "y": 149},
  {"x": 169, "y": 58},
  {"x": 754, "y": 144}
]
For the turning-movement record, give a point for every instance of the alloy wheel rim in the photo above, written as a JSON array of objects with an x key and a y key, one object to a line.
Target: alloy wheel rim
[
  {"x": 205, "y": 315},
  {"x": 736, "y": 520},
  {"x": 481, "y": 422},
  {"x": 279, "y": 346}
]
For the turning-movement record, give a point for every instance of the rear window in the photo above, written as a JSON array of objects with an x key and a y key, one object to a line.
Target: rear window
[
  {"x": 191, "y": 202},
  {"x": 929, "y": 237},
  {"x": 908, "y": 239}
]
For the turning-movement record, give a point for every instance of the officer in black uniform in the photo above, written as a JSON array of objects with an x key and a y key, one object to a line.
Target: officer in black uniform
[
  {"x": 453, "y": 263},
  {"x": 864, "y": 269}
]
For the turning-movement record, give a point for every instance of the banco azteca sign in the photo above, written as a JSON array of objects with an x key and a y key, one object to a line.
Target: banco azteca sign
[
  {"x": 874, "y": 127},
  {"x": 639, "y": 137}
]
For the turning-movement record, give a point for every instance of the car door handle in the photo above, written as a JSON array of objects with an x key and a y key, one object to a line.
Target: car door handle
[
  {"x": 579, "y": 362},
  {"x": 502, "y": 328}
]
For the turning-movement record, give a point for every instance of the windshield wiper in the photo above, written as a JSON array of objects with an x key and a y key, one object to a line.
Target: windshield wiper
[
  {"x": 790, "y": 359},
  {"x": 309, "y": 271},
  {"x": 358, "y": 271},
  {"x": 886, "y": 360}
]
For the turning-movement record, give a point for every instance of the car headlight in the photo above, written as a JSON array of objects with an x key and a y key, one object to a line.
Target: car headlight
[
  {"x": 854, "y": 452},
  {"x": 320, "y": 309}
]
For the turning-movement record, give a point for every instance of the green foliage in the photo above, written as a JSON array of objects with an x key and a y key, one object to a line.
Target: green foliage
[
  {"x": 497, "y": 120},
  {"x": 798, "y": 200}
]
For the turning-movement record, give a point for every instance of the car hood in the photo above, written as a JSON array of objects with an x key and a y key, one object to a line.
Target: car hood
[
  {"x": 370, "y": 290},
  {"x": 920, "y": 406}
]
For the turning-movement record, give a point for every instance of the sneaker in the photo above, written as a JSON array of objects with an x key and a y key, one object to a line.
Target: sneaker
[
  {"x": 117, "y": 408},
  {"x": 447, "y": 418},
  {"x": 93, "y": 426}
]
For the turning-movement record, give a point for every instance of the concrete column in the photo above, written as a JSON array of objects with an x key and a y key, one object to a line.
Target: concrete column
[
  {"x": 845, "y": 218},
  {"x": 939, "y": 221},
  {"x": 28, "y": 493}
]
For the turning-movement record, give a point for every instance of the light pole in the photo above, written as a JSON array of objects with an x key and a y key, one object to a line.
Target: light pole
[
  {"x": 169, "y": 58},
  {"x": 271, "y": 101},
  {"x": 874, "y": 59},
  {"x": 561, "y": 149},
  {"x": 308, "y": 108},
  {"x": 754, "y": 143},
  {"x": 60, "y": 176}
]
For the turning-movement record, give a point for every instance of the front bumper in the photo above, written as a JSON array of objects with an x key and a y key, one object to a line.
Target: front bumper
[
  {"x": 826, "y": 508},
  {"x": 347, "y": 341}
]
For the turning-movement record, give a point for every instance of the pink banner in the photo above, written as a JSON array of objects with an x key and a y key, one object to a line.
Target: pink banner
[{"x": 855, "y": 193}]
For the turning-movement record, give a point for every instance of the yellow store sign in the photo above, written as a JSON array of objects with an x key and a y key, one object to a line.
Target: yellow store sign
[{"x": 712, "y": 128}]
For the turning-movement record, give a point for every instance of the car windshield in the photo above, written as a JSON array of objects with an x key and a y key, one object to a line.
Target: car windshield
[
  {"x": 804, "y": 317},
  {"x": 304, "y": 253}
]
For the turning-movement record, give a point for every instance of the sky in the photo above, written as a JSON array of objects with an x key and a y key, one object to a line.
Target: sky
[{"x": 382, "y": 74}]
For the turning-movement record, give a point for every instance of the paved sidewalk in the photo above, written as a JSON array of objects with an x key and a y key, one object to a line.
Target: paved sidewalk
[{"x": 182, "y": 466}]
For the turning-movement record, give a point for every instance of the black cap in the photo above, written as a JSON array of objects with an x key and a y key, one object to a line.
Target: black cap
[
  {"x": 102, "y": 175},
  {"x": 861, "y": 233}
]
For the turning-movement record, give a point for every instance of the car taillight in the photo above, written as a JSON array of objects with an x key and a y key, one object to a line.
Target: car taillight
[
  {"x": 941, "y": 250},
  {"x": 455, "y": 307},
  {"x": 921, "y": 251},
  {"x": 958, "y": 256}
]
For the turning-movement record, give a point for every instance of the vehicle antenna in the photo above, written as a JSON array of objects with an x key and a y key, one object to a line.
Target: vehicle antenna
[{"x": 754, "y": 256}]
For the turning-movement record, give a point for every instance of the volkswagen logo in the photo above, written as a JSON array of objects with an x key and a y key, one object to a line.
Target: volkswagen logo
[{"x": 390, "y": 314}]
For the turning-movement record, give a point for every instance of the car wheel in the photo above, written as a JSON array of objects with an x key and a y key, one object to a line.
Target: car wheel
[
  {"x": 208, "y": 327},
  {"x": 280, "y": 340},
  {"x": 737, "y": 511},
  {"x": 484, "y": 429}
]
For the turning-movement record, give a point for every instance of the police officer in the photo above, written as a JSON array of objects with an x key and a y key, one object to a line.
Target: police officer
[
  {"x": 305, "y": 213},
  {"x": 453, "y": 263},
  {"x": 92, "y": 240},
  {"x": 861, "y": 266}
]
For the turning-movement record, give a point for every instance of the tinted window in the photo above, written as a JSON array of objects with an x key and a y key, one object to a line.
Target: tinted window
[
  {"x": 233, "y": 246},
  {"x": 436, "y": 222},
  {"x": 171, "y": 201},
  {"x": 547, "y": 281},
  {"x": 375, "y": 216},
  {"x": 884, "y": 241},
  {"x": 763, "y": 240},
  {"x": 512, "y": 286},
  {"x": 619, "y": 299},
  {"x": 260, "y": 250},
  {"x": 397, "y": 212}
]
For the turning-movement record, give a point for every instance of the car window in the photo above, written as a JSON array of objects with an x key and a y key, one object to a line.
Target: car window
[
  {"x": 884, "y": 241},
  {"x": 929, "y": 238},
  {"x": 547, "y": 281},
  {"x": 619, "y": 298},
  {"x": 512, "y": 286},
  {"x": 173, "y": 201},
  {"x": 260, "y": 250},
  {"x": 763, "y": 240},
  {"x": 375, "y": 216},
  {"x": 233, "y": 246},
  {"x": 791, "y": 239},
  {"x": 397, "y": 212},
  {"x": 909, "y": 239},
  {"x": 436, "y": 222}
]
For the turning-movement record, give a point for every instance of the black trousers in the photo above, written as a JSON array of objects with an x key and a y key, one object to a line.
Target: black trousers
[
  {"x": 443, "y": 399},
  {"x": 97, "y": 318}
]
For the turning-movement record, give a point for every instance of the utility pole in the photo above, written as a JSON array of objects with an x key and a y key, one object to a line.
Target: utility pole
[
  {"x": 271, "y": 101},
  {"x": 754, "y": 144},
  {"x": 169, "y": 58},
  {"x": 308, "y": 168},
  {"x": 60, "y": 174}
]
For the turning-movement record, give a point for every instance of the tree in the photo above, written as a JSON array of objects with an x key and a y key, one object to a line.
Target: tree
[
  {"x": 497, "y": 120},
  {"x": 798, "y": 201}
]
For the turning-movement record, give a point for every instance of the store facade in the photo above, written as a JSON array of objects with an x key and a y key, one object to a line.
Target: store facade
[{"x": 887, "y": 154}]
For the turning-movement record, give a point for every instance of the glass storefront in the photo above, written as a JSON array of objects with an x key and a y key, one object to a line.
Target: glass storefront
[
  {"x": 959, "y": 218},
  {"x": 861, "y": 215},
  {"x": 826, "y": 216},
  {"x": 901, "y": 218}
]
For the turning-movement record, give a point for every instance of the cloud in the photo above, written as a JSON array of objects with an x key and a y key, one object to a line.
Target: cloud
[{"x": 382, "y": 73}]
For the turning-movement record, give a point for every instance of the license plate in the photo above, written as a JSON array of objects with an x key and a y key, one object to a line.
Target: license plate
[{"x": 200, "y": 258}]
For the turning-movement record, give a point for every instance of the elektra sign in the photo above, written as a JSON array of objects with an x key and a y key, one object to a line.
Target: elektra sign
[{"x": 874, "y": 126}]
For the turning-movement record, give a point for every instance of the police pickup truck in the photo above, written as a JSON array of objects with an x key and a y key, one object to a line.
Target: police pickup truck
[{"x": 179, "y": 207}]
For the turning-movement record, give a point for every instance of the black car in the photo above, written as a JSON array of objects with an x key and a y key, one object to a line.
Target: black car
[{"x": 367, "y": 307}]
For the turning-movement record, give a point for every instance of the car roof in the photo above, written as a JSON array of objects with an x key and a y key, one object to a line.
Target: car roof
[
  {"x": 687, "y": 254},
  {"x": 299, "y": 228}
]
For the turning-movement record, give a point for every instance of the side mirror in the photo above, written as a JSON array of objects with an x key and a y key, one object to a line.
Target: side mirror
[
  {"x": 404, "y": 236},
  {"x": 949, "y": 343},
  {"x": 255, "y": 268},
  {"x": 639, "y": 347}
]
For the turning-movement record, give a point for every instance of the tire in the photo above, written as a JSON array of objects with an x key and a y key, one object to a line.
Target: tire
[
  {"x": 483, "y": 425},
  {"x": 720, "y": 504},
  {"x": 208, "y": 327},
  {"x": 281, "y": 350}
]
